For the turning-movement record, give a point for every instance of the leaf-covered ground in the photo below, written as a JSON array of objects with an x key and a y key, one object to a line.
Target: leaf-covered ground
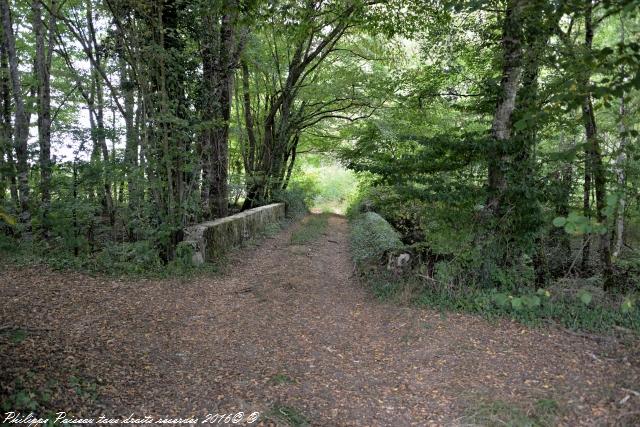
[{"x": 288, "y": 331}]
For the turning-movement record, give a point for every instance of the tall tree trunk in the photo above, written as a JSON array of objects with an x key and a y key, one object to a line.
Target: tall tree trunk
[
  {"x": 586, "y": 207},
  {"x": 103, "y": 149},
  {"x": 595, "y": 155},
  {"x": 6, "y": 133},
  {"x": 501, "y": 127},
  {"x": 292, "y": 162},
  {"x": 622, "y": 182},
  {"x": 249, "y": 157},
  {"x": 100, "y": 131},
  {"x": 131, "y": 138},
  {"x": 43, "y": 74},
  {"x": 620, "y": 166},
  {"x": 21, "y": 127},
  {"x": 221, "y": 48}
]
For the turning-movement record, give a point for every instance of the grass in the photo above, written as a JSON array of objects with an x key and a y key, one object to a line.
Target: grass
[
  {"x": 290, "y": 415},
  {"x": 542, "y": 413},
  {"x": 311, "y": 229},
  {"x": 282, "y": 379},
  {"x": 16, "y": 336}
]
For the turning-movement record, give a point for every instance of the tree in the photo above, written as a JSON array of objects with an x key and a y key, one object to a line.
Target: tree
[
  {"x": 313, "y": 32},
  {"x": 221, "y": 45},
  {"x": 44, "y": 53},
  {"x": 21, "y": 122}
]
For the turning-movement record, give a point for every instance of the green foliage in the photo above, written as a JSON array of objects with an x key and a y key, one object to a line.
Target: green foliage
[
  {"x": 129, "y": 258},
  {"x": 585, "y": 296},
  {"x": 17, "y": 336},
  {"x": 184, "y": 255},
  {"x": 288, "y": 414},
  {"x": 282, "y": 379},
  {"x": 533, "y": 308},
  {"x": 578, "y": 225},
  {"x": 6, "y": 218},
  {"x": 335, "y": 186},
  {"x": 297, "y": 197},
  {"x": 23, "y": 397},
  {"x": 371, "y": 237},
  {"x": 85, "y": 388},
  {"x": 122, "y": 259},
  {"x": 455, "y": 284}
]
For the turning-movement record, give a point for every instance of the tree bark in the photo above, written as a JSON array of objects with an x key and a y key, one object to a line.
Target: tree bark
[
  {"x": 622, "y": 182},
  {"x": 501, "y": 127},
  {"x": 21, "y": 127},
  {"x": 131, "y": 138},
  {"x": 100, "y": 137},
  {"x": 43, "y": 74},
  {"x": 620, "y": 167},
  {"x": 595, "y": 157},
  {"x": 221, "y": 47},
  {"x": 6, "y": 133}
]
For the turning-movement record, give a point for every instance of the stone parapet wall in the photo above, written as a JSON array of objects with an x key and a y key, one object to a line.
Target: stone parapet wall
[{"x": 212, "y": 239}]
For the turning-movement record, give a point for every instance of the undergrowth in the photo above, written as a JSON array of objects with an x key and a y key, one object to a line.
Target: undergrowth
[
  {"x": 371, "y": 237},
  {"x": 531, "y": 307},
  {"x": 542, "y": 413},
  {"x": 575, "y": 309},
  {"x": 126, "y": 259},
  {"x": 288, "y": 414},
  {"x": 129, "y": 259}
]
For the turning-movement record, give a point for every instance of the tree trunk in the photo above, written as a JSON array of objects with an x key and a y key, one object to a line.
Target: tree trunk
[
  {"x": 131, "y": 147},
  {"x": 622, "y": 182},
  {"x": 221, "y": 48},
  {"x": 501, "y": 127},
  {"x": 292, "y": 162},
  {"x": 42, "y": 66},
  {"x": 620, "y": 166},
  {"x": 595, "y": 155},
  {"x": 99, "y": 129},
  {"x": 586, "y": 207},
  {"x": 101, "y": 146},
  {"x": 249, "y": 157},
  {"x": 21, "y": 128},
  {"x": 9, "y": 171}
]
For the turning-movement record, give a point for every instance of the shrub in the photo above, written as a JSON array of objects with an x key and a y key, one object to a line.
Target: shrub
[
  {"x": 470, "y": 282},
  {"x": 297, "y": 199},
  {"x": 136, "y": 257},
  {"x": 184, "y": 254},
  {"x": 371, "y": 237}
]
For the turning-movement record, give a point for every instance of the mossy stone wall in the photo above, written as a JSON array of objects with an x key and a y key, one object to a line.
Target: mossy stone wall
[{"x": 212, "y": 239}]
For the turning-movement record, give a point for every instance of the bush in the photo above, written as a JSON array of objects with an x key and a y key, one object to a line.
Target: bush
[
  {"x": 371, "y": 237},
  {"x": 297, "y": 199},
  {"x": 532, "y": 307},
  {"x": 130, "y": 258},
  {"x": 470, "y": 282},
  {"x": 184, "y": 255}
]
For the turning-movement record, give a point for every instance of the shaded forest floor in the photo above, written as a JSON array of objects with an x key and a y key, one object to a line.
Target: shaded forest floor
[{"x": 288, "y": 331}]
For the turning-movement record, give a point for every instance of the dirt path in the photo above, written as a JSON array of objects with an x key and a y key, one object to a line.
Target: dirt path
[{"x": 289, "y": 332}]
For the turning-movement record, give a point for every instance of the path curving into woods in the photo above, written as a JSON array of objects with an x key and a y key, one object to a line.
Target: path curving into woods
[{"x": 289, "y": 331}]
